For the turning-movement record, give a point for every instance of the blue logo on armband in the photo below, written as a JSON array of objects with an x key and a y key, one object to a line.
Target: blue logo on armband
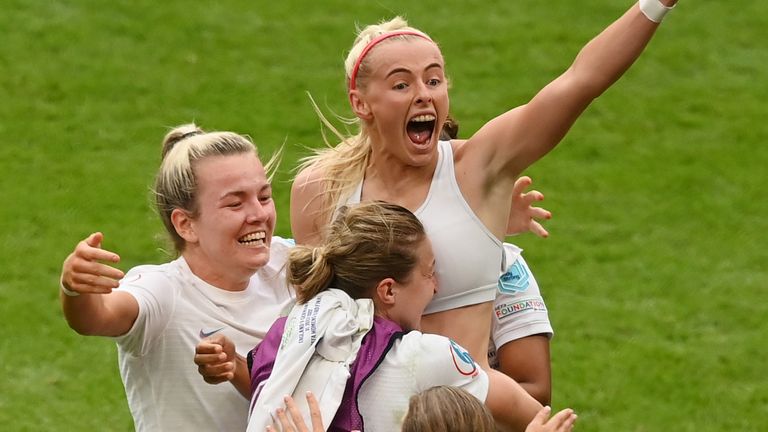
[
  {"x": 516, "y": 279},
  {"x": 462, "y": 360}
]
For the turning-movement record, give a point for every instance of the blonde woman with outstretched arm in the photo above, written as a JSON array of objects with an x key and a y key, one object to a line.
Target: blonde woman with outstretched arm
[{"x": 461, "y": 190}]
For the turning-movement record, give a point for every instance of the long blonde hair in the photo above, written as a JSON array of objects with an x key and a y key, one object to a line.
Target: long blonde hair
[{"x": 342, "y": 166}]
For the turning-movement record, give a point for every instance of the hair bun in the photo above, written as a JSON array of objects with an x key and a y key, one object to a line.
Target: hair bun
[{"x": 179, "y": 134}]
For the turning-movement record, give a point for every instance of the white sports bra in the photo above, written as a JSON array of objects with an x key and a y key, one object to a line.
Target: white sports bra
[{"x": 468, "y": 257}]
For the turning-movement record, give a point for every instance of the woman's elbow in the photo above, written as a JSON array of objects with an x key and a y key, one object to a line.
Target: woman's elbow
[{"x": 540, "y": 391}]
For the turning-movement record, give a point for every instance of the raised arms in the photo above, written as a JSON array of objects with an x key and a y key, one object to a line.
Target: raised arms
[{"x": 508, "y": 144}]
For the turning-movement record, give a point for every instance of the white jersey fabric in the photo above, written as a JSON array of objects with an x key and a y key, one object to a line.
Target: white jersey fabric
[
  {"x": 519, "y": 309},
  {"x": 467, "y": 255},
  {"x": 320, "y": 341},
  {"x": 176, "y": 310},
  {"x": 416, "y": 362}
]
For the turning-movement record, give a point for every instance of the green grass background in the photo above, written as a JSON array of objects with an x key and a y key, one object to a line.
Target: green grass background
[{"x": 657, "y": 267}]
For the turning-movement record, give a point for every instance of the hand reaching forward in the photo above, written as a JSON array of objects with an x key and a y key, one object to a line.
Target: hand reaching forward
[
  {"x": 523, "y": 216},
  {"x": 83, "y": 273}
]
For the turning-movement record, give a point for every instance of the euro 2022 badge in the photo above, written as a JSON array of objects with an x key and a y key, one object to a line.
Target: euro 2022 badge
[{"x": 515, "y": 279}]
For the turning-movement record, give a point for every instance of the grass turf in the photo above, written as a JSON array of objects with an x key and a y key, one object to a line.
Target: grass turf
[{"x": 656, "y": 269}]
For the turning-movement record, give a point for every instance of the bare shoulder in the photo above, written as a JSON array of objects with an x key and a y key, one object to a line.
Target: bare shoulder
[
  {"x": 457, "y": 144},
  {"x": 496, "y": 135},
  {"x": 484, "y": 162},
  {"x": 307, "y": 205},
  {"x": 459, "y": 148},
  {"x": 307, "y": 184}
]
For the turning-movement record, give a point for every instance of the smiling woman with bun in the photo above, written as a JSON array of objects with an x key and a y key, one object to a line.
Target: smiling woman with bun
[{"x": 215, "y": 200}]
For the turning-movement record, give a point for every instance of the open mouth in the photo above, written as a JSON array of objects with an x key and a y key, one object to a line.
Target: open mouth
[
  {"x": 420, "y": 128},
  {"x": 253, "y": 239}
]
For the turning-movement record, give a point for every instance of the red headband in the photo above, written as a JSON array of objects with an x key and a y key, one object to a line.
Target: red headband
[{"x": 373, "y": 43}]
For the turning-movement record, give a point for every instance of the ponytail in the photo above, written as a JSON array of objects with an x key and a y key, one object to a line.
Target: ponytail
[
  {"x": 177, "y": 134},
  {"x": 308, "y": 271},
  {"x": 366, "y": 244}
]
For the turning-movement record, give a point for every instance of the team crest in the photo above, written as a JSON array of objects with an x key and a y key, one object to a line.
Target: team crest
[{"x": 516, "y": 279}]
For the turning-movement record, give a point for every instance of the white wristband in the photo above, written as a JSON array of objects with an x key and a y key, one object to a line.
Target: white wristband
[
  {"x": 68, "y": 293},
  {"x": 654, "y": 10}
]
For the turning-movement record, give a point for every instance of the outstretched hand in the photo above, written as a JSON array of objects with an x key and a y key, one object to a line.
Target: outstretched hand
[
  {"x": 215, "y": 359},
  {"x": 523, "y": 216},
  {"x": 83, "y": 273},
  {"x": 561, "y": 422}
]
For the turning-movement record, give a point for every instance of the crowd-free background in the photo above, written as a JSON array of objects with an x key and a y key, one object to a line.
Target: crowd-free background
[{"x": 656, "y": 270}]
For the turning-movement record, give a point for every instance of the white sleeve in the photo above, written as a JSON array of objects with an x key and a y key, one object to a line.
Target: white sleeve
[
  {"x": 519, "y": 309},
  {"x": 155, "y": 295},
  {"x": 278, "y": 252},
  {"x": 440, "y": 361}
]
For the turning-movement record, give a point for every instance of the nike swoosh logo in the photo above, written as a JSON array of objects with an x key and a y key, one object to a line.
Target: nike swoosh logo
[{"x": 205, "y": 334}]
